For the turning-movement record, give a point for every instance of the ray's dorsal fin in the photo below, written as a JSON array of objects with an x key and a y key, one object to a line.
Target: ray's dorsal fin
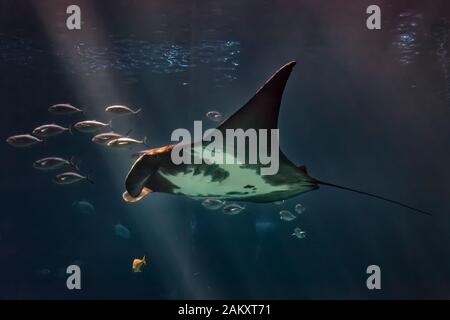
[{"x": 261, "y": 111}]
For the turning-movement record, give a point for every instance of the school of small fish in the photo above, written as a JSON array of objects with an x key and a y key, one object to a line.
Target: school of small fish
[
  {"x": 234, "y": 209},
  {"x": 42, "y": 133},
  {"x": 287, "y": 215},
  {"x": 70, "y": 167}
]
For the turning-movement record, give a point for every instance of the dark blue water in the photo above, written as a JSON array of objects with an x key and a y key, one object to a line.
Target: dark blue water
[{"x": 366, "y": 109}]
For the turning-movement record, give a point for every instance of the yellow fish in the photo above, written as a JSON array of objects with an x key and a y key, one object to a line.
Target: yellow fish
[{"x": 138, "y": 263}]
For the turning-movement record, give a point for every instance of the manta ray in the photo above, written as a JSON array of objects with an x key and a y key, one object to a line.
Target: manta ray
[{"x": 154, "y": 170}]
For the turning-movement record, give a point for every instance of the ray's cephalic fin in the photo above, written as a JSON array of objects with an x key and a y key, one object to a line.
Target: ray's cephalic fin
[{"x": 141, "y": 171}]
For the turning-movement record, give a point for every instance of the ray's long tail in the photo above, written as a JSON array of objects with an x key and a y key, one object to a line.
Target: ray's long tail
[{"x": 372, "y": 195}]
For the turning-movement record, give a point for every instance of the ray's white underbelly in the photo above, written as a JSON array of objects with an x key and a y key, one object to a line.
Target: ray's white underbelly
[{"x": 238, "y": 181}]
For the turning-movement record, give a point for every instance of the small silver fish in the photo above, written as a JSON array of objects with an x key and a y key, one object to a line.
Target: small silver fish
[
  {"x": 299, "y": 233},
  {"x": 286, "y": 215},
  {"x": 213, "y": 204},
  {"x": 104, "y": 138},
  {"x": 23, "y": 140},
  {"x": 126, "y": 142},
  {"x": 49, "y": 130},
  {"x": 88, "y": 126},
  {"x": 121, "y": 110},
  {"x": 299, "y": 208},
  {"x": 232, "y": 209},
  {"x": 70, "y": 177},
  {"x": 54, "y": 163},
  {"x": 215, "y": 116},
  {"x": 63, "y": 109}
]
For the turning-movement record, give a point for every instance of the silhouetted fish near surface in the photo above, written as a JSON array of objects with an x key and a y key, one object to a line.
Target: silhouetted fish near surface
[
  {"x": 70, "y": 178},
  {"x": 121, "y": 110},
  {"x": 104, "y": 138},
  {"x": 50, "y": 130},
  {"x": 155, "y": 172},
  {"x": 23, "y": 140},
  {"x": 54, "y": 163},
  {"x": 89, "y": 126},
  {"x": 64, "y": 109},
  {"x": 126, "y": 142}
]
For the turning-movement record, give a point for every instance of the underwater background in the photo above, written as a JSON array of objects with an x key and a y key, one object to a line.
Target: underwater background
[{"x": 368, "y": 109}]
